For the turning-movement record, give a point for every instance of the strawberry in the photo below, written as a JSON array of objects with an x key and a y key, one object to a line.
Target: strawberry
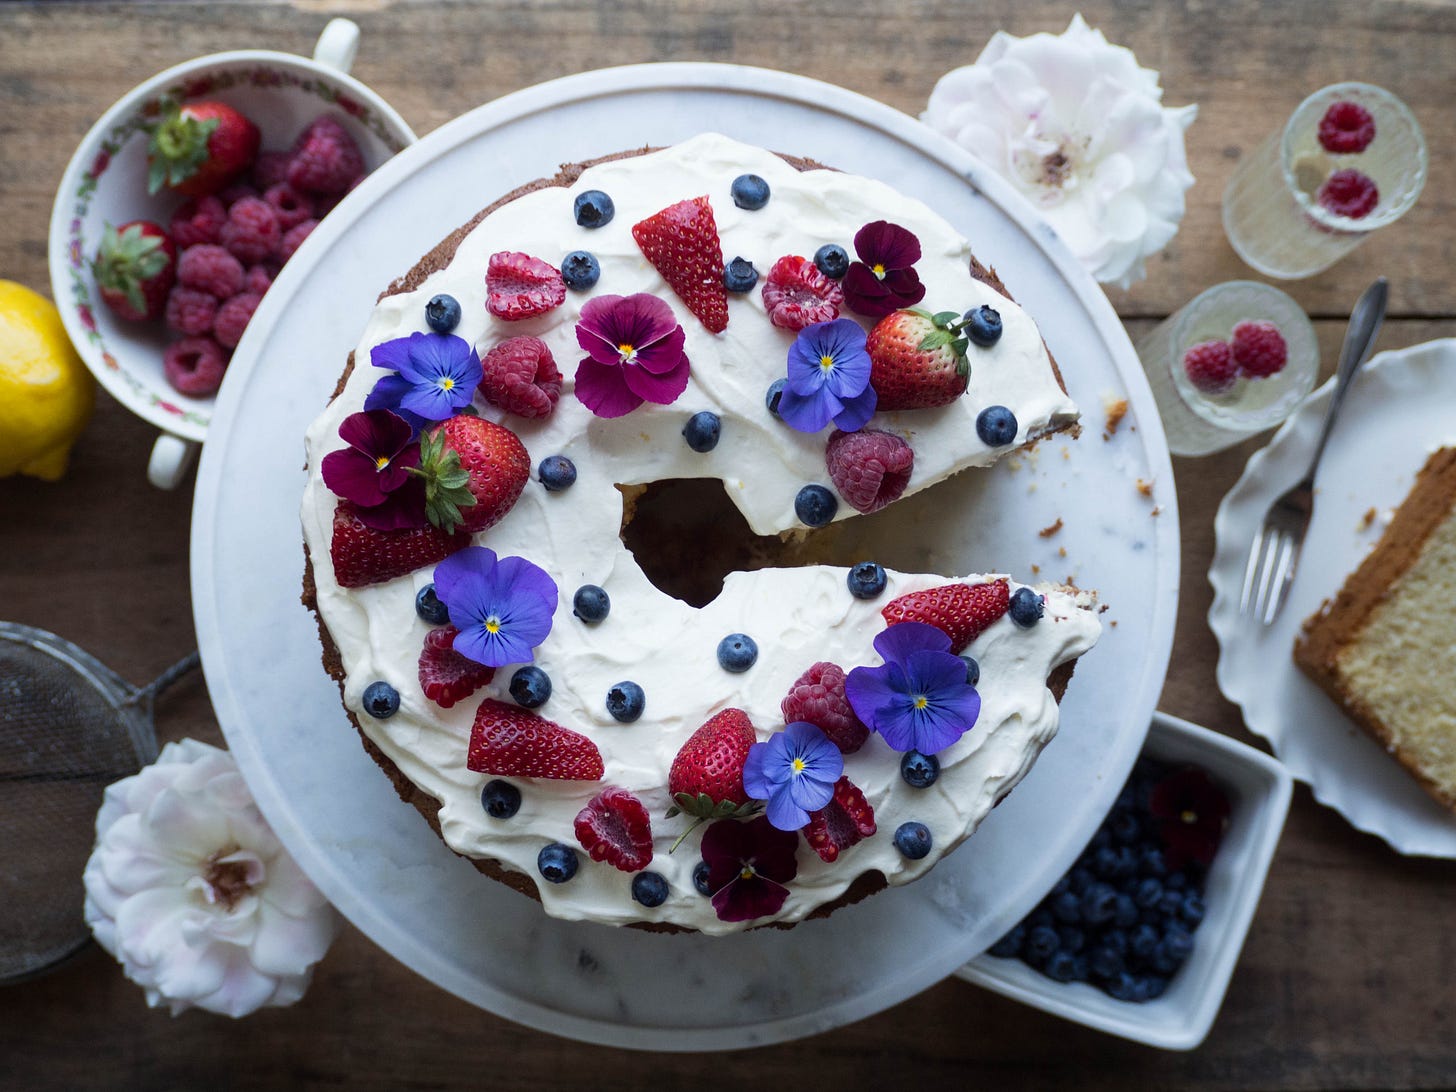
[
  {"x": 364, "y": 556},
  {"x": 797, "y": 294},
  {"x": 614, "y": 827},
  {"x": 519, "y": 286},
  {"x": 682, "y": 243},
  {"x": 706, "y": 777},
  {"x": 507, "y": 741},
  {"x": 199, "y": 148},
  {"x": 473, "y": 471},
  {"x": 917, "y": 360},
  {"x": 446, "y": 676},
  {"x": 839, "y": 824},
  {"x": 961, "y": 611},
  {"x": 817, "y": 697},
  {"x": 135, "y": 268}
]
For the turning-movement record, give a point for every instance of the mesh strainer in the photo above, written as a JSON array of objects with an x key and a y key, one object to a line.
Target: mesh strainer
[{"x": 69, "y": 726}]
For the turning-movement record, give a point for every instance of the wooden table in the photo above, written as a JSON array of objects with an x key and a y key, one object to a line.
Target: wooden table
[{"x": 1346, "y": 979}]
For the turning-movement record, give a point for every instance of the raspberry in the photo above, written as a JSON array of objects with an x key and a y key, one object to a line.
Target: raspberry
[
  {"x": 1346, "y": 128},
  {"x": 519, "y": 286},
  {"x": 289, "y": 206},
  {"x": 614, "y": 827},
  {"x": 1259, "y": 349},
  {"x": 294, "y": 239},
  {"x": 199, "y": 220},
  {"x": 1349, "y": 193},
  {"x": 232, "y": 318},
  {"x": 798, "y": 295},
  {"x": 1210, "y": 367},
  {"x": 324, "y": 203},
  {"x": 870, "y": 468},
  {"x": 446, "y": 676},
  {"x": 271, "y": 168},
  {"x": 259, "y": 278},
  {"x": 195, "y": 365},
  {"x": 520, "y": 377},
  {"x": 237, "y": 192},
  {"x": 191, "y": 311},
  {"x": 817, "y": 697},
  {"x": 251, "y": 232},
  {"x": 845, "y": 820},
  {"x": 325, "y": 158},
  {"x": 212, "y": 269}
]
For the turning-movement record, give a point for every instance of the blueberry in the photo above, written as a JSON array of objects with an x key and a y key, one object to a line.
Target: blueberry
[
  {"x": 918, "y": 770},
  {"x": 442, "y": 313},
  {"x": 1126, "y": 912},
  {"x": 996, "y": 426},
  {"x": 580, "y": 270},
  {"x": 737, "y": 652},
  {"x": 429, "y": 607},
  {"x": 1125, "y": 825},
  {"x": 1009, "y": 946},
  {"x": 1148, "y": 893},
  {"x": 625, "y": 702},
  {"x": 649, "y": 888},
  {"x": 973, "y": 670},
  {"x": 1026, "y": 608},
  {"x": 556, "y": 862},
  {"x": 1068, "y": 907},
  {"x": 557, "y": 473},
  {"x": 913, "y": 840},
  {"x": 750, "y": 192},
  {"x": 773, "y": 394},
  {"x": 1127, "y": 862},
  {"x": 815, "y": 505},
  {"x": 739, "y": 275},
  {"x": 1104, "y": 963},
  {"x": 1080, "y": 971},
  {"x": 1151, "y": 862},
  {"x": 593, "y": 209},
  {"x": 1142, "y": 940},
  {"x": 1104, "y": 862},
  {"x": 1041, "y": 942},
  {"x": 1061, "y": 966},
  {"x": 1178, "y": 941},
  {"x": 530, "y": 686},
  {"x": 500, "y": 799},
  {"x": 1171, "y": 902},
  {"x": 1116, "y": 940},
  {"x": 866, "y": 579},
  {"x": 381, "y": 701},
  {"x": 1192, "y": 909},
  {"x": 1064, "y": 884},
  {"x": 700, "y": 879},
  {"x": 1072, "y": 939},
  {"x": 1099, "y": 903},
  {"x": 1123, "y": 987},
  {"x": 832, "y": 260},
  {"x": 702, "y": 431},
  {"x": 1157, "y": 984},
  {"x": 1103, "y": 837},
  {"x": 983, "y": 326},
  {"x": 591, "y": 603},
  {"x": 1040, "y": 916},
  {"x": 1080, "y": 879},
  {"x": 1176, "y": 882}
]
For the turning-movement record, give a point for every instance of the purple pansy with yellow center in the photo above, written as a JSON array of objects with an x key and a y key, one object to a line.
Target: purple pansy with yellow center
[
  {"x": 883, "y": 280},
  {"x": 795, "y": 771},
  {"x": 435, "y": 376},
  {"x": 1191, "y": 813},
  {"x": 919, "y": 699},
  {"x": 501, "y": 606},
  {"x": 748, "y": 866},
  {"x": 634, "y": 349},
  {"x": 829, "y": 378},
  {"x": 373, "y": 471}
]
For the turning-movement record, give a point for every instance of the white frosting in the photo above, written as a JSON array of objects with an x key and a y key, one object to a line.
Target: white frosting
[{"x": 797, "y": 616}]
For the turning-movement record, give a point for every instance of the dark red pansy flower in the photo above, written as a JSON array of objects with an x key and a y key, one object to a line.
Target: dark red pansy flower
[
  {"x": 1191, "y": 812},
  {"x": 373, "y": 471},
  {"x": 748, "y": 865},
  {"x": 884, "y": 278}
]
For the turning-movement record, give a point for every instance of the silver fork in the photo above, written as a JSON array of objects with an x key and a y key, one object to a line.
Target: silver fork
[{"x": 1274, "y": 555}]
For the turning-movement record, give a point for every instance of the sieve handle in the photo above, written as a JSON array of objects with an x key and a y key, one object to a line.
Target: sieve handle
[{"x": 181, "y": 669}]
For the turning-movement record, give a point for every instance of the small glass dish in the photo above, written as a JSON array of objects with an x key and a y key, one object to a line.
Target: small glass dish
[{"x": 1259, "y": 790}]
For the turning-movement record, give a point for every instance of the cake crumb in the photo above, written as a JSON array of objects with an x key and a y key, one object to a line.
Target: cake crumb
[
  {"x": 1035, "y": 569},
  {"x": 1145, "y": 487},
  {"x": 1061, "y": 551},
  {"x": 1066, "y": 452},
  {"x": 1368, "y": 519},
  {"x": 1047, "y": 532},
  {"x": 1013, "y": 464},
  {"x": 1116, "y": 410},
  {"x": 1157, "y": 510}
]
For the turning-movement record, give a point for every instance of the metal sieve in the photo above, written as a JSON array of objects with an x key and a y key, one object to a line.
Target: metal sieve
[{"x": 69, "y": 726}]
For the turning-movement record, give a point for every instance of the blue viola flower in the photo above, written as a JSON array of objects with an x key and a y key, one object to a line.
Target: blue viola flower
[
  {"x": 795, "y": 771},
  {"x": 829, "y": 378},
  {"x": 435, "y": 376},
  {"x": 919, "y": 699},
  {"x": 502, "y": 607}
]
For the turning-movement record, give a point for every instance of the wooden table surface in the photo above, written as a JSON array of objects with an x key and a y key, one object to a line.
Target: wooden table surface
[{"x": 1347, "y": 976}]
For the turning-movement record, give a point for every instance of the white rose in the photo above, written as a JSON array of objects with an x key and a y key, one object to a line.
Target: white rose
[
  {"x": 1075, "y": 125},
  {"x": 192, "y": 892}
]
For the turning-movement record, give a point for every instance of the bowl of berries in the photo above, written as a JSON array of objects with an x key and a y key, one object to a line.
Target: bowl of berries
[
  {"x": 1140, "y": 938},
  {"x": 182, "y": 203}
]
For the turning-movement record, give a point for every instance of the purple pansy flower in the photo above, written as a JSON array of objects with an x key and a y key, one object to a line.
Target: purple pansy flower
[
  {"x": 748, "y": 866},
  {"x": 883, "y": 280},
  {"x": 502, "y": 608},
  {"x": 829, "y": 378},
  {"x": 373, "y": 471},
  {"x": 634, "y": 349},
  {"x": 919, "y": 699},
  {"x": 435, "y": 377},
  {"x": 795, "y": 771}
]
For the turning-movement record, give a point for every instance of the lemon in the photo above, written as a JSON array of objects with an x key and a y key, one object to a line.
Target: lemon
[{"x": 46, "y": 393}]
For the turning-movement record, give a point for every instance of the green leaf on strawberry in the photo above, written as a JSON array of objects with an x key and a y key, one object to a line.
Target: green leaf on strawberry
[
  {"x": 178, "y": 149},
  {"x": 447, "y": 483}
]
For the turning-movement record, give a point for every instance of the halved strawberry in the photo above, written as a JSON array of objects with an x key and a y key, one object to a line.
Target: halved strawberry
[
  {"x": 614, "y": 827},
  {"x": 797, "y": 294},
  {"x": 845, "y": 820},
  {"x": 961, "y": 611},
  {"x": 817, "y": 697},
  {"x": 508, "y": 741},
  {"x": 706, "y": 778},
  {"x": 682, "y": 243},
  {"x": 446, "y": 676},
  {"x": 519, "y": 286},
  {"x": 362, "y": 555}
]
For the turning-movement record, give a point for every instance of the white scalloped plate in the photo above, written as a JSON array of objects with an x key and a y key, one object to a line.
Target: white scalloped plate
[{"x": 1399, "y": 410}]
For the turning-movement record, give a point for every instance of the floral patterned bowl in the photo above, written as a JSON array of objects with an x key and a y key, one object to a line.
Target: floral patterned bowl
[{"x": 105, "y": 182}]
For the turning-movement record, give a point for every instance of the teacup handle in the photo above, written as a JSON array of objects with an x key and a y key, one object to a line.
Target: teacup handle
[
  {"x": 171, "y": 456},
  {"x": 338, "y": 44}
]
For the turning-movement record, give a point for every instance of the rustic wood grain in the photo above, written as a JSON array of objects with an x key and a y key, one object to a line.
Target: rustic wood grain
[{"x": 1346, "y": 979}]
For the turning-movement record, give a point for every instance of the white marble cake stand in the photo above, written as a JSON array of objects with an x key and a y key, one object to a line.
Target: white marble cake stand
[{"x": 379, "y": 862}]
